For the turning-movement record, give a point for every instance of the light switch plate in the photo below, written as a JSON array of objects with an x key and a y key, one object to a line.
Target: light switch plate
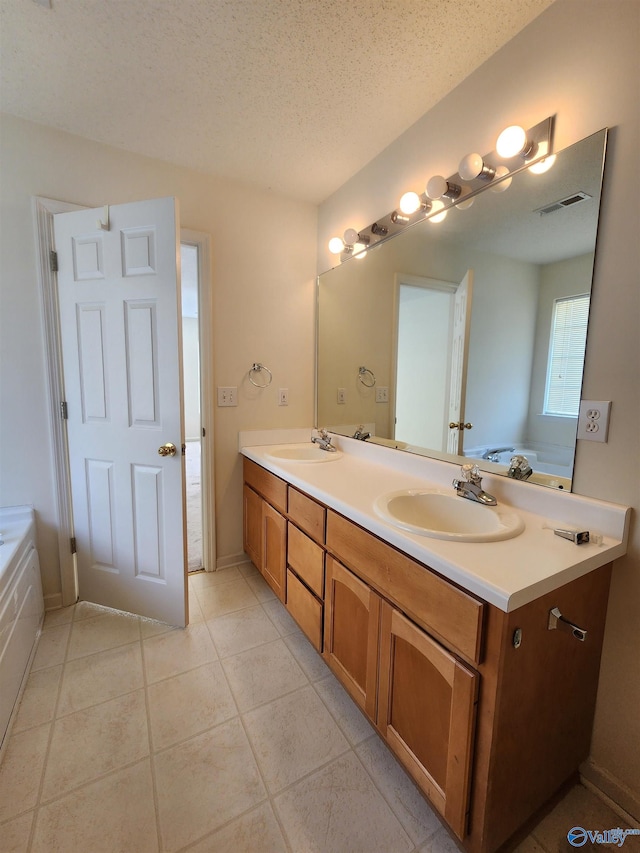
[{"x": 227, "y": 396}]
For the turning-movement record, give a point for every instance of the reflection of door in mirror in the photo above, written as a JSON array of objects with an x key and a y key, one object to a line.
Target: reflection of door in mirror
[{"x": 431, "y": 346}]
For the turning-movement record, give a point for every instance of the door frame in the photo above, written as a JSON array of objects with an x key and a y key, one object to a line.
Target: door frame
[{"x": 44, "y": 210}]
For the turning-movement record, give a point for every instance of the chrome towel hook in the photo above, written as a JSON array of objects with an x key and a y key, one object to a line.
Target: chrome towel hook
[
  {"x": 257, "y": 368},
  {"x": 365, "y": 372}
]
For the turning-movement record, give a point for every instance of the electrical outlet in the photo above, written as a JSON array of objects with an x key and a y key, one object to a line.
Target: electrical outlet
[
  {"x": 283, "y": 397},
  {"x": 593, "y": 419},
  {"x": 228, "y": 396},
  {"x": 382, "y": 394},
  {"x": 342, "y": 395}
]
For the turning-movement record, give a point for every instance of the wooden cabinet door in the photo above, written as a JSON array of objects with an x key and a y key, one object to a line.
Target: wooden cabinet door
[
  {"x": 252, "y": 526},
  {"x": 426, "y": 712},
  {"x": 274, "y": 550},
  {"x": 352, "y": 619}
]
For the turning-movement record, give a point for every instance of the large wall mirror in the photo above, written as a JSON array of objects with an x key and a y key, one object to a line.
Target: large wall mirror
[{"x": 475, "y": 321}]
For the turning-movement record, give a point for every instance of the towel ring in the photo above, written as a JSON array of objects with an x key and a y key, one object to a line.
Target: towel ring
[
  {"x": 258, "y": 368},
  {"x": 362, "y": 372}
]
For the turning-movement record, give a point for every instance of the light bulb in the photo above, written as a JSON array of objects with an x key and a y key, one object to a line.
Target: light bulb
[
  {"x": 436, "y": 206},
  {"x": 466, "y": 204},
  {"x": 436, "y": 186},
  {"x": 359, "y": 250},
  {"x": 543, "y": 165},
  {"x": 473, "y": 166},
  {"x": 410, "y": 202},
  {"x": 350, "y": 236},
  {"x": 501, "y": 171},
  {"x": 336, "y": 245},
  {"x": 513, "y": 140}
]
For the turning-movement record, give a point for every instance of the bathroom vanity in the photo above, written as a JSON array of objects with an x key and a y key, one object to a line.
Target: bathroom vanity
[{"x": 449, "y": 648}]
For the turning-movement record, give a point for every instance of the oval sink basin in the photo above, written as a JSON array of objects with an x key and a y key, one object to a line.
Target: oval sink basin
[
  {"x": 303, "y": 453},
  {"x": 444, "y": 516}
]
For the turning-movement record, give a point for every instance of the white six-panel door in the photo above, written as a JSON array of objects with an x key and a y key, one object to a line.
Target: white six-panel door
[{"x": 119, "y": 317}]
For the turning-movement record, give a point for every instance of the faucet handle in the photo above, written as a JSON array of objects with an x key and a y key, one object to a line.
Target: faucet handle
[{"x": 471, "y": 473}]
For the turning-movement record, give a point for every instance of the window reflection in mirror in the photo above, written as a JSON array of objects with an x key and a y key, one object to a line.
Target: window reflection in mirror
[{"x": 526, "y": 251}]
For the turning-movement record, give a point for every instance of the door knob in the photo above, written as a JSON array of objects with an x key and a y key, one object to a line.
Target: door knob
[{"x": 167, "y": 449}]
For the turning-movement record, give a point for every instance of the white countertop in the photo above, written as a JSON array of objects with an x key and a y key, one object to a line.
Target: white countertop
[{"x": 508, "y": 573}]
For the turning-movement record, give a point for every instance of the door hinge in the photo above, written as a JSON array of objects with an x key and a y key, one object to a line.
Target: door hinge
[
  {"x": 64, "y": 411},
  {"x": 53, "y": 260},
  {"x": 74, "y": 549},
  {"x": 184, "y": 449},
  {"x": 204, "y": 432}
]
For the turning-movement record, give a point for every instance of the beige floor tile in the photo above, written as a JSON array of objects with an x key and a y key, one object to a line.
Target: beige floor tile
[
  {"x": 95, "y": 741},
  {"x": 277, "y": 612},
  {"x": 338, "y": 809},
  {"x": 241, "y": 630},
  {"x": 39, "y": 698},
  {"x": 97, "y": 678},
  {"x": 409, "y": 806},
  {"x": 262, "y": 674},
  {"x": 201, "y": 580},
  {"x": 21, "y": 771},
  {"x": 61, "y": 616},
  {"x": 188, "y": 704},
  {"x": 441, "y": 842},
  {"x": 225, "y": 598},
  {"x": 14, "y": 835},
  {"x": 152, "y": 628},
  {"x": 260, "y": 587},
  {"x": 98, "y": 633},
  {"x": 580, "y": 808},
  {"x": 293, "y": 736},
  {"x": 248, "y": 570},
  {"x": 344, "y": 710},
  {"x": 255, "y": 832},
  {"x": 195, "y": 611},
  {"x": 308, "y": 658},
  {"x": 177, "y": 651},
  {"x": 205, "y": 782},
  {"x": 52, "y": 646},
  {"x": 115, "y": 814}
]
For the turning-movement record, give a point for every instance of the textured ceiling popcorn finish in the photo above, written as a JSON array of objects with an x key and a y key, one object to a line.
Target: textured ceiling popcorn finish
[{"x": 293, "y": 95}]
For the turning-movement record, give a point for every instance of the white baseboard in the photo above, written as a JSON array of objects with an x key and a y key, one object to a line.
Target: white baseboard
[
  {"x": 620, "y": 798},
  {"x": 53, "y": 601},
  {"x": 232, "y": 560}
]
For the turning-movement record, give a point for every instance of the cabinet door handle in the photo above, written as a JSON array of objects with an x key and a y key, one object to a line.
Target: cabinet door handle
[{"x": 557, "y": 620}]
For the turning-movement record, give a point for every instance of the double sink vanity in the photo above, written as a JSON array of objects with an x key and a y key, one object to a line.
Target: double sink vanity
[{"x": 469, "y": 635}]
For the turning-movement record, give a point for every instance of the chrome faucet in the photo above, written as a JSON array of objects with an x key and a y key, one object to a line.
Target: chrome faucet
[
  {"x": 470, "y": 486},
  {"x": 323, "y": 440},
  {"x": 519, "y": 468},
  {"x": 493, "y": 455},
  {"x": 360, "y": 434}
]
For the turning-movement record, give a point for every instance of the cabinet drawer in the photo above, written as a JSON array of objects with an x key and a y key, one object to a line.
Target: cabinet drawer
[
  {"x": 307, "y": 514},
  {"x": 447, "y": 612},
  {"x": 266, "y": 484},
  {"x": 307, "y": 559},
  {"x": 305, "y": 609}
]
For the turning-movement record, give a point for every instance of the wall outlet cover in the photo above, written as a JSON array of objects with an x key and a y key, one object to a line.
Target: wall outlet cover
[{"x": 593, "y": 420}]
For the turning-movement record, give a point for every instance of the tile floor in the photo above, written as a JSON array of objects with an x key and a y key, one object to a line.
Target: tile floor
[{"x": 230, "y": 736}]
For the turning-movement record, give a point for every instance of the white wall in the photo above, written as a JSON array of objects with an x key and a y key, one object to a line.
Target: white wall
[
  {"x": 580, "y": 62},
  {"x": 263, "y": 274}
]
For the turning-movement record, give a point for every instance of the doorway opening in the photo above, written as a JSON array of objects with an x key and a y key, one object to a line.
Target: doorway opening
[{"x": 189, "y": 263}]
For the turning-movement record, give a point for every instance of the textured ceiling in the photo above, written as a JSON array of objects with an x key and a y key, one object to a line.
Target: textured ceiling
[{"x": 293, "y": 95}]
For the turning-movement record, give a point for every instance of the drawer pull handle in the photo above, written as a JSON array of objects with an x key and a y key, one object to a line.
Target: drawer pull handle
[{"x": 557, "y": 620}]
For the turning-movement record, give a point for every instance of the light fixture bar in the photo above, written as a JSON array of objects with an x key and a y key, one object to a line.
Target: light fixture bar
[{"x": 540, "y": 139}]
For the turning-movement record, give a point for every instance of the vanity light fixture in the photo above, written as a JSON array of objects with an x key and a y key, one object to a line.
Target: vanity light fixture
[
  {"x": 411, "y": 203},
  {"x": 543, "y": 165},
  {"x": 513, "y": 141},
  {"x": 439, "y": 187},
  {"x": 517, "y": 146},
  {"x": 435, "y": 207},
  {"x": 473, "y": 166}
]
